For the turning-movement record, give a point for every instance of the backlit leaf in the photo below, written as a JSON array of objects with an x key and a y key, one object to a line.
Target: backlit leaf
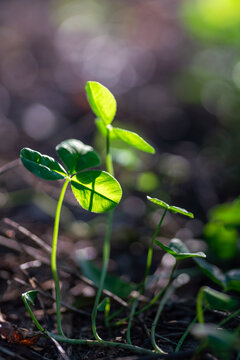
[
  {"x": 102, "y": 101},
  {"x": 43, "y": 166},
  {"x": 173, "y": 209},
  {"x": 179, "y": 250},
  {"x": 77, "y": 156},
  {"x": 132, "y": 139},
  {"x": 96, "y": 191}
]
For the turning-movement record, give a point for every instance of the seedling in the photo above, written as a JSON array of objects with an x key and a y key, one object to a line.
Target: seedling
[
  {"x": 104, "y": 106},
  {"x": 95, "y": 190}
]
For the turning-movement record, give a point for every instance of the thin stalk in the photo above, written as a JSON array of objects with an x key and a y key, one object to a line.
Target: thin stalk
[
  {"x": 40, "y": 328},
  {"x": 133, "y": 309},
  {"x": 199, "y": 306},
  {"x": 168, "y": 290},
  {"x": 165, "y": 298},
  {"x": 103, "y": 343},
  {"x": 150, "y": 251},
  {"x": 106, "y": 252},
  {"x": 106, "y": 246},
  {"x": 228, "y": 318},
  {"x": 109, "y": 162},
  {"x": 148, "y": 265},
  {"x": 54, "y": 256},
  {"x": 185, "y": 334},
  {"x": 152, "y": 302}
]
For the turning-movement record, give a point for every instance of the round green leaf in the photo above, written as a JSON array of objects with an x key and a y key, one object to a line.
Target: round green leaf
[
  {"x": 102, "y": 101},
  {"x": 77, "y": 156},
  {"x": 43, "y": 166},
  {"x": 96, "y": 191},
  {"x": 133, "y": 139},
  {"x": 179, "y": 250}
]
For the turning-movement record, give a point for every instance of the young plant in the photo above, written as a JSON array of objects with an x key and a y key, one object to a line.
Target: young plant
[
  {"x": 95, "y": 190},
  {"x": 178, "y": 250},
  {"x": 104, "y": 106}
]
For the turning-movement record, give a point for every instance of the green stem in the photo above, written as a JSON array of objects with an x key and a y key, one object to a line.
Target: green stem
[
  {"x": 152, "y": 302},
  {"x": 109, "y": 163},
  {"x": 148, "y": 265},
  {"x": 133, "y": 309},
  {"x": 168, "y": 290},
  {"x": 150, "y": 251},
  {"x": 165, "y": 298},
  {"x": 103, "y": 343},
  {"x": 228, "y": 318},
  {"x": 40, "y": 328},
  {"x": 185, "y": 334},
  {"x": 106, "y": 246},
  {"x": 199, "y": 306},
  {"x": 106, "y": 252},
  {"x": 54, "y": 256}
]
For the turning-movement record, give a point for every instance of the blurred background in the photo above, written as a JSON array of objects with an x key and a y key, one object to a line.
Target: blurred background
[{"x": 174, "y": 68}]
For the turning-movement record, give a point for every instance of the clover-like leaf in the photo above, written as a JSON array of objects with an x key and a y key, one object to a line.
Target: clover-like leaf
[
  {"x": 217, "y": 300},
  {"x": 102, "y": 101},
  {"x": 43, "y": 166},
  {"x": 179, "y": 250},
  {"x": 30, "y": 296},
  {"x": 96, "y": 191},
  {"x": 173, "y": 209},
  {"x": 212, "y": 271},
  {"x": 77, "y": 156},
  {"x": 132, "y": 139}
]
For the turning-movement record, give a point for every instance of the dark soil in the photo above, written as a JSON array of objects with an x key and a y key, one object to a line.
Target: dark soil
[{"x": 25, "y": 265}]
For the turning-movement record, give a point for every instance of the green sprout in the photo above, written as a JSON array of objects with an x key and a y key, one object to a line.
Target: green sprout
[
  {"x": 104, "y": 106},
  {"x": 95, "y": 190}
]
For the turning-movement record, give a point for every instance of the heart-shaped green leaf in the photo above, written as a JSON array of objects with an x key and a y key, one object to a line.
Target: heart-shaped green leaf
[
  {"x": 77, "y": 156},
  {"x": 212, "y": 271},
  {"x": 102, "y": 101},
  {"x": 179, "y": 250},
  {"x": 218, "y": 300},
  {"x": 173, "y": 209},
  {"x": 96, "y": 191},
  {"x": 30, "y": 296},
  {"x": 131, "y": 138},
  {"x": 43, "y": 166}
]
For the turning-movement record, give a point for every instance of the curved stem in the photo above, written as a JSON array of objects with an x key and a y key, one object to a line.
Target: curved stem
[
  {"x": 54, "y": 255},
  {"x": 106, "y": 246},
  {"x": 34, "y": 319},
  {"x": 168, "y": 290}
]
